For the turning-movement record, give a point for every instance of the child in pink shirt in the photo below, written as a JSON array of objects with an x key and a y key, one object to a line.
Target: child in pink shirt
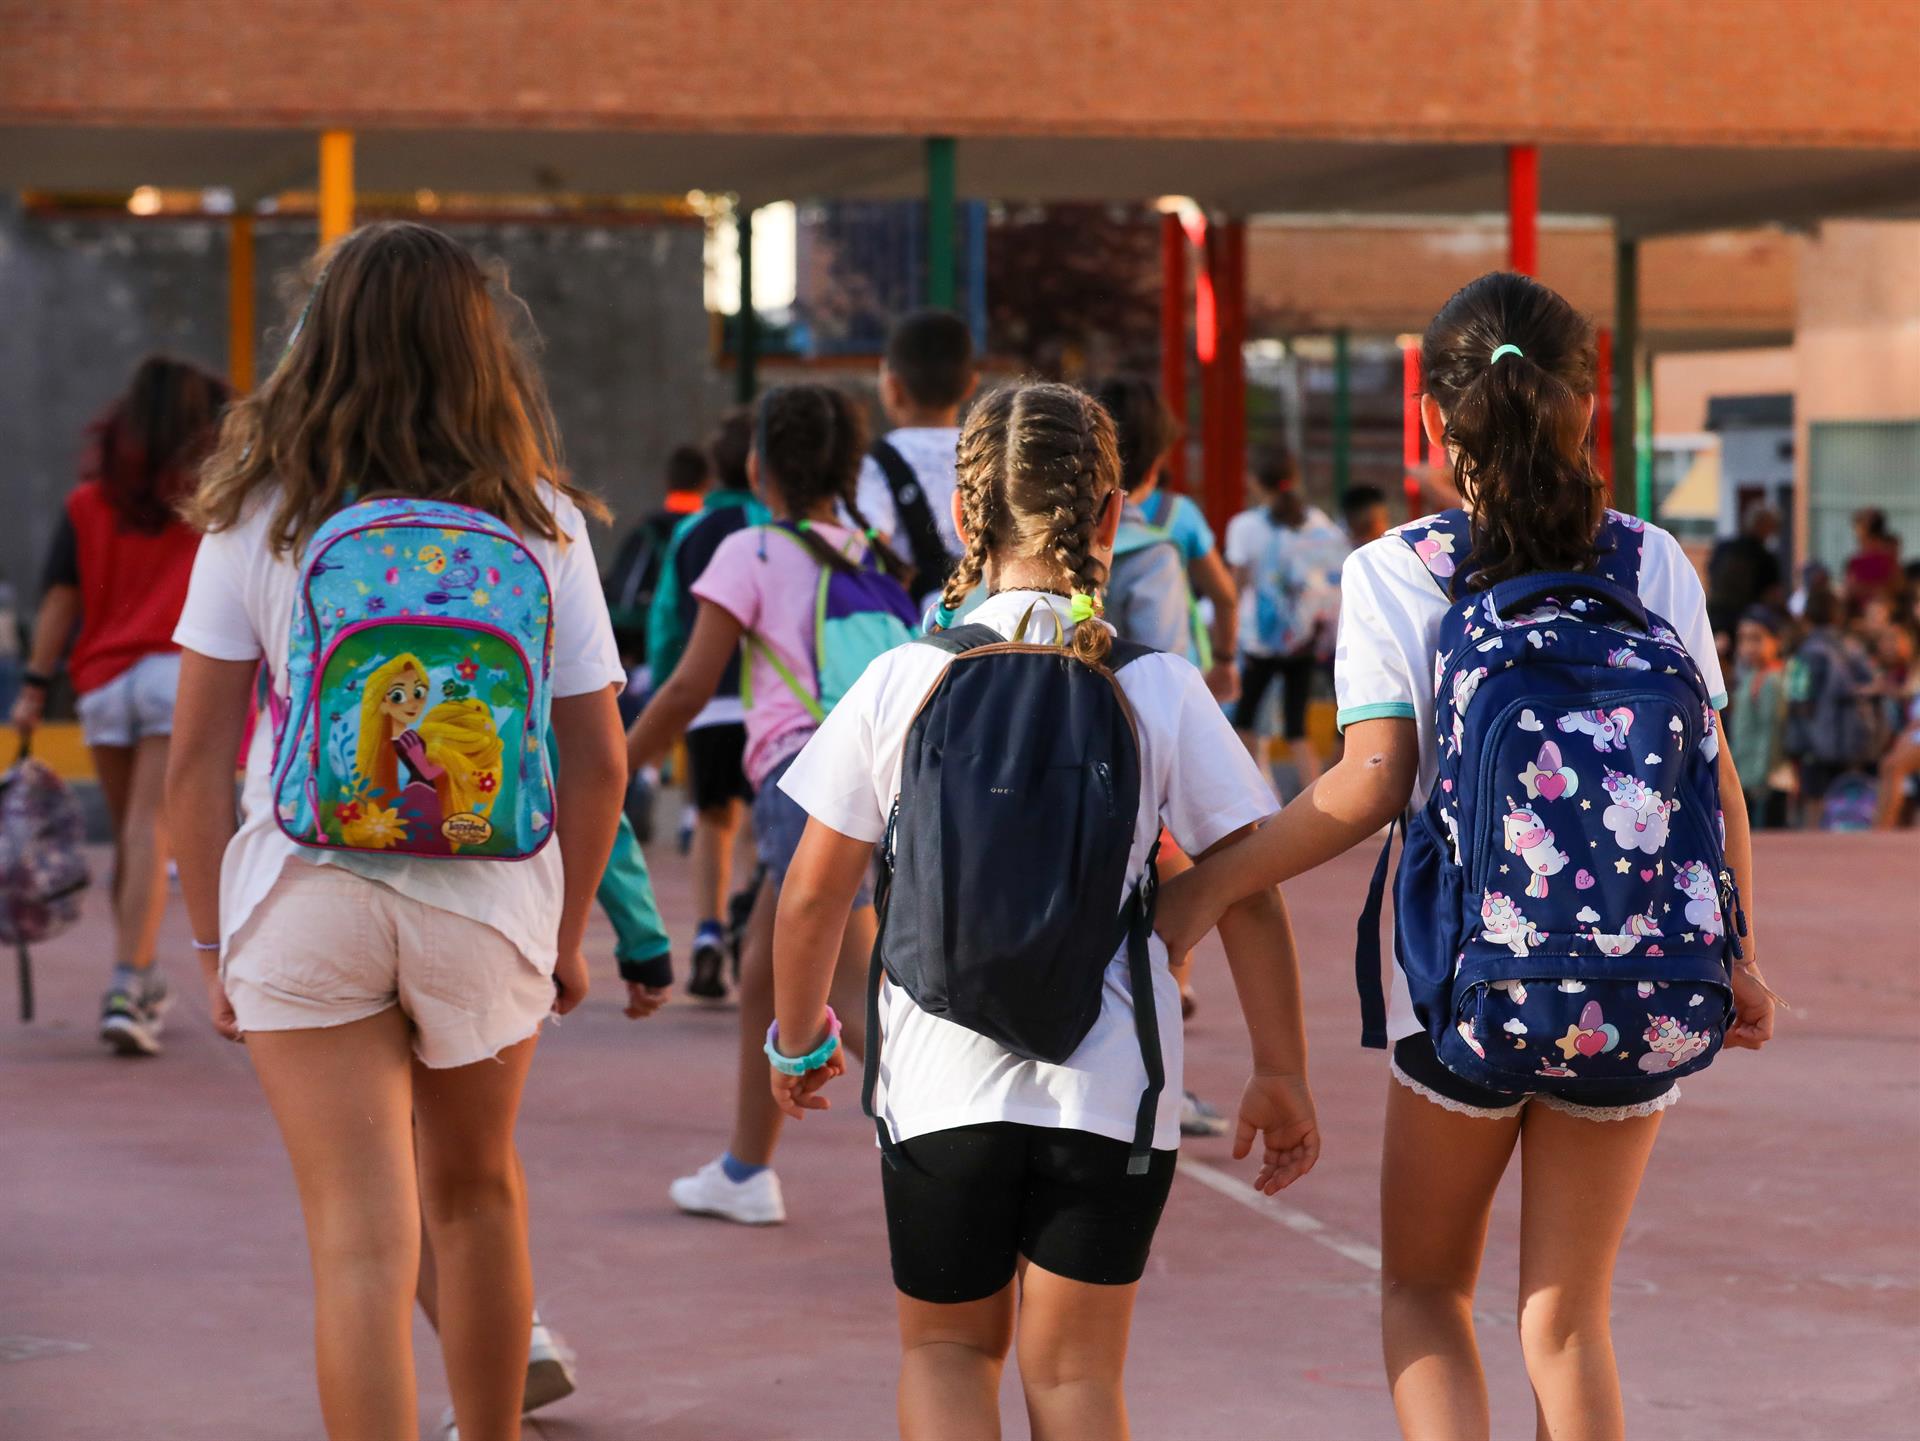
[{"x": 759, "y": 591}]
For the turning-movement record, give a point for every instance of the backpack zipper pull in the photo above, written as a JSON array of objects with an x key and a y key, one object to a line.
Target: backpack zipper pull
[{"x": 1730, "y": 908}]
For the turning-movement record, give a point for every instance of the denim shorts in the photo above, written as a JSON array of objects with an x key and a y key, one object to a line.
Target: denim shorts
[
  {"x": 1416, "y": 1067},
  {"x": 778, "y": 821},
  {"x": 135, "y": 704}
]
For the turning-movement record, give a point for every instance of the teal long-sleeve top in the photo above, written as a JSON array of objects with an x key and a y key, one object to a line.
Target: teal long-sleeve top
[{"x": 641, "y": 945}]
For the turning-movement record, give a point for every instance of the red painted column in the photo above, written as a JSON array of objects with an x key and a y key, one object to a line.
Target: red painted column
[
  {"x": 1173, "y": 339},
  {"x": 1603, "y": 417},
  {"x": 1411, "y": 431},
  {"x": 1523, "y": 209},
  {"x": 1226, "y": 469}
]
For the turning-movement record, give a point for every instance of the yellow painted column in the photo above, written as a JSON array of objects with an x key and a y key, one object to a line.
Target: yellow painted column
[
  {"x": 240, "y": 319},
  {"x": 336, "y": 185}
]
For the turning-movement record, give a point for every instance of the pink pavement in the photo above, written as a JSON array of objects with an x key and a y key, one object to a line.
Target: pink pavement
[{"x": 153, "y": 1280}]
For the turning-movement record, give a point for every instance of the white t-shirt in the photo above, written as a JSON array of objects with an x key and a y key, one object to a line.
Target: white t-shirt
[
  {"x": 1390, "y": 614},
  {"x": 240, "y": 607},
  {"x": 1297, "y": 565},
  {"x": 930, "y": 450},
  {"x": 1196, "y": 779}
]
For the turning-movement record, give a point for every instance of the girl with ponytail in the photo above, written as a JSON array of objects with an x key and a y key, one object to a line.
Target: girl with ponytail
[
  {"x": 757, "y": 598},
  {"x": 1008, "y": 1164},
  {"x": 1509, "y": 370}
]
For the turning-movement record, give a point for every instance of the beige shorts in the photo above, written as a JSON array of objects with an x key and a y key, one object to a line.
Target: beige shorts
[{"x": 327, "y": 947}]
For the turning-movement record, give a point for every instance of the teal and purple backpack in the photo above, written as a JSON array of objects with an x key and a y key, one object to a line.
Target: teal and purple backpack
[
  {"x": 1565, "y": 915},
  {"x": 418, "y": 674},
  {"x": 859, "y": 612}
]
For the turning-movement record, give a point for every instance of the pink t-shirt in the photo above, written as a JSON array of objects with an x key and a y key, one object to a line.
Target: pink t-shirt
[{"x": 767, "y": 580}]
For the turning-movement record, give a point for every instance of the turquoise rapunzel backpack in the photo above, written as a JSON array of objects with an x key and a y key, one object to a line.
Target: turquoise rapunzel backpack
[{"x": 418, "y": 674}]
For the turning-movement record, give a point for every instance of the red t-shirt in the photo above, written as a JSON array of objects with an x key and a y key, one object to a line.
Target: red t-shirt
[{"x": 133, "y": 584}]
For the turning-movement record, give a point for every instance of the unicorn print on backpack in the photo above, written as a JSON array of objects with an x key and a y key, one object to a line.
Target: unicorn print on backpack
[
  {"x": 1609, "y": 728},
  {"x": 1638, "y": 815},
  {"x": 1527, "y": 837}
]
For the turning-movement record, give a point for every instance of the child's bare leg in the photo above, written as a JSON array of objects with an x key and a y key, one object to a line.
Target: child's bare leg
[
  {"x": 950, "y": 1362},
  {"x": 1578, "y": 1181},
  {"x": 1438, "y": 1173},
  {"x": 1073, "y": 1355},
  {"x": 756, "y": 1119}
]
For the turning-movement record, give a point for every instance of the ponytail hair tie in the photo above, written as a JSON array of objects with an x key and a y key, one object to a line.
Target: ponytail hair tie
[
  {"x": 1500, "y": 350},
  {"x": 943, "y": 617},
  {"x": 1080, "y": 607}
]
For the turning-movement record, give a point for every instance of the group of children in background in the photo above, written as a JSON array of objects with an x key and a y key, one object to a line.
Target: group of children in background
[
  {"x": 391, "y": 1004},
  {"x": 1824, "y": 715}
]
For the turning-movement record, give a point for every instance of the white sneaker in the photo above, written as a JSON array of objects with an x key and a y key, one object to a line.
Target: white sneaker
[
  {"x": 755, "y": 1201},
  {"x": 549, "y": 1368}
]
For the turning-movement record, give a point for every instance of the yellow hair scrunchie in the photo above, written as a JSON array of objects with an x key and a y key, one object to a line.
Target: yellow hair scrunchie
[{"x": 1080, "y": 607}]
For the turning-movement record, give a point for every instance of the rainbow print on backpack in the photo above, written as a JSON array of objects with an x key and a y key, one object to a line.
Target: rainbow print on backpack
[{"x": 418, "y": 675}]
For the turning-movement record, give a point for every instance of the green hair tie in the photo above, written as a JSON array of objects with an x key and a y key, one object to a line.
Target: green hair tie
[
  {"x": 1500, "y": 350},
  {"x": 1080, "y": 607}
]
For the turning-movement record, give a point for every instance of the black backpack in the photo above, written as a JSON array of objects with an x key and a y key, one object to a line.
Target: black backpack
[
  {"x": 1019, "y": 782},
  {"x": 932, "y": 562}
]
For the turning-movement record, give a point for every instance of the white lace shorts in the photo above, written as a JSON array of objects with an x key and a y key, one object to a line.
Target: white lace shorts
[{"x": 1415, "y": 1066}]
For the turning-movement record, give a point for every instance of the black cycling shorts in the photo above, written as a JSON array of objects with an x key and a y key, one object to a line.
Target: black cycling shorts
[
  {"x": 964, "y": 1205},
  {"x": 1258, "y": 672},
  {"x": 715, "y": 772}
]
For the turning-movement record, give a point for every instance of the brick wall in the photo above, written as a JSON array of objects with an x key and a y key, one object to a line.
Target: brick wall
[{"x": 1738, "y": 72}]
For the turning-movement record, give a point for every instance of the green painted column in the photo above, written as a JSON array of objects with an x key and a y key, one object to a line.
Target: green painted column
[
  {"x": 941, "y": 183},
  {"x": 1627, "y": 400},
  {"x": 1342, "y": 416},
  {"x": 747, "y": 337},
  {"x": 1644, "y": 506}
]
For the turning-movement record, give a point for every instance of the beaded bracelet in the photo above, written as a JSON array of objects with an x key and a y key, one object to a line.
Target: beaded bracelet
[
  {"x": 814, "y": 1059},
  {"x": 206, "y": 945}
]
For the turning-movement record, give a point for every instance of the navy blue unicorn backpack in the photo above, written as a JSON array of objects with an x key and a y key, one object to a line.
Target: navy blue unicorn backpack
[{"x": 1562, "y": 904}]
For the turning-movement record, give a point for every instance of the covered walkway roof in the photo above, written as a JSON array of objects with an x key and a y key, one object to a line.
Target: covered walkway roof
[{"x": 1645, "y": 190}]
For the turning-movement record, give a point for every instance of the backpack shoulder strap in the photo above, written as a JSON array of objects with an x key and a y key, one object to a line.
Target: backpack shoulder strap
[
  {"x": 1618, "y": 549},
  {"x": 961, "y": 639},
  {"x": 1125, "y": 652},
  {"x": 1447, "y": 537},
  {"x": 922, "y": 531}
]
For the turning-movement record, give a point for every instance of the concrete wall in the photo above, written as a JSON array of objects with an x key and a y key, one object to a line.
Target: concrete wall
[
  {"x": 619, "y": 308},
  {"x": 1857, "y": 346}
]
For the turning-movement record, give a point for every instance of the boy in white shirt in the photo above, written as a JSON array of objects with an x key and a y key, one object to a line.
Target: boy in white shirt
[{"x": 906, "y": 481}]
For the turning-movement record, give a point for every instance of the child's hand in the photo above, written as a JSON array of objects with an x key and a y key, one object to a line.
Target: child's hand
[
  {"x": 1753, "y": 1006},
  {"x": 643, "y": 1001},
  {"x": 1184, "y": 912},
  {"x": 1281, "y": 1109},
  {"x": 569, "y": 982},
  {"x": 219, "y": 1005},
  {"x": 794, "y": 1095}
]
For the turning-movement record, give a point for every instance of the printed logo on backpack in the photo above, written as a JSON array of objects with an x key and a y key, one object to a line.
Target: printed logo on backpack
[
  {"x": 418, "y": 669},
  {"x": 1565, "y": 911}
]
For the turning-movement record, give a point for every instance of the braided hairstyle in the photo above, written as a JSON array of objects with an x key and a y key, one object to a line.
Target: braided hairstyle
[
  {"x": 1036, "y": 463},
  {"x": 1518, "y": 425},
  {"x": 810, "y": 440}
]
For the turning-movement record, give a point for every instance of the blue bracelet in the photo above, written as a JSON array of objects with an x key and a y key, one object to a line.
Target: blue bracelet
[{"x": 814, "y": 1059}]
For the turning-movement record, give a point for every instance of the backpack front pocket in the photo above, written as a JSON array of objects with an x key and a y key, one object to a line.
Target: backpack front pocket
[{"x": 420, "y": 742}]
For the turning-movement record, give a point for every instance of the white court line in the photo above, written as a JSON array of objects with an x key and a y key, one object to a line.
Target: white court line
[{"x": 1236, "y": 1188}]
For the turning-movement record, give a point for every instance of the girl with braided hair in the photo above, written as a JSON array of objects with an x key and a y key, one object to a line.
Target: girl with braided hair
[
  {"x": 1013, "y": 1200},
  {"x": 757, "y": 599}
]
